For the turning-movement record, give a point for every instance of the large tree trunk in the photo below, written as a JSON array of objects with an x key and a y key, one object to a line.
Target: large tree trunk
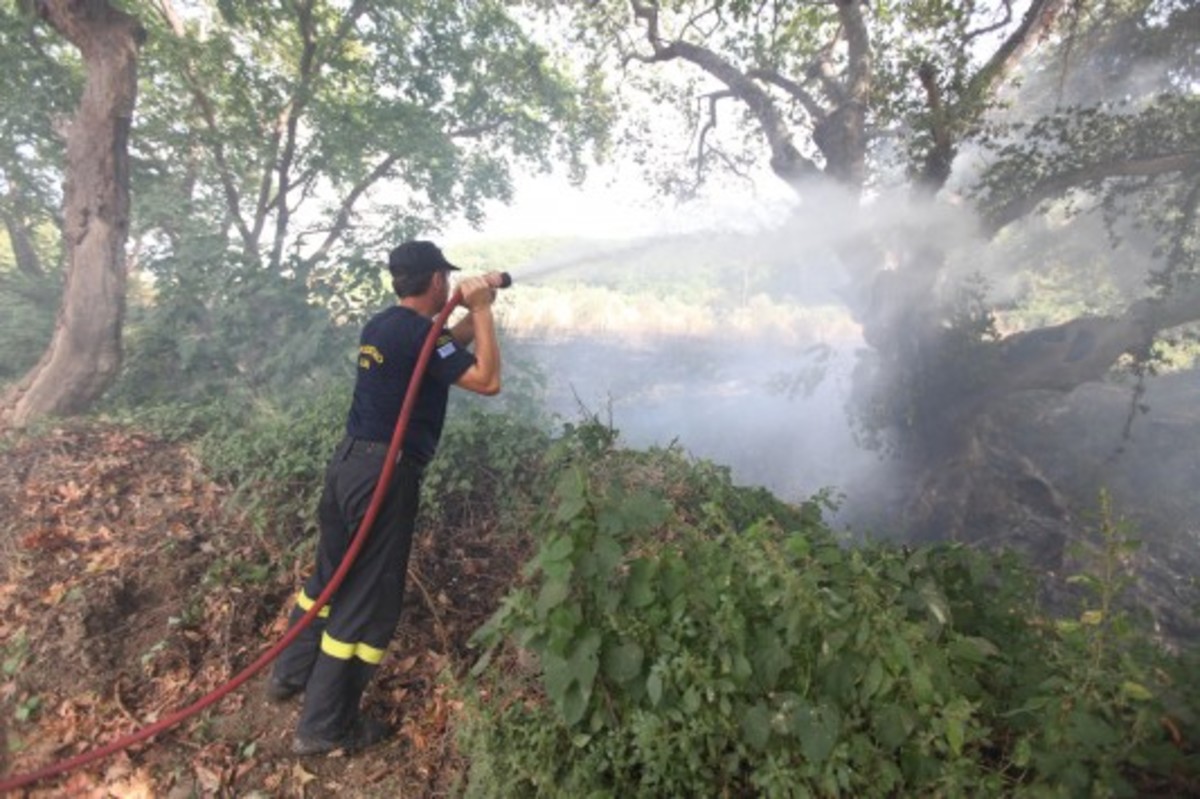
[{"x": 84, "y": 354}]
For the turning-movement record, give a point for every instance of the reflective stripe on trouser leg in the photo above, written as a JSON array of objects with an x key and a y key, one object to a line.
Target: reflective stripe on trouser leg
[
  {"x": 345, "y": 651},
  {"x": 296, "y": 662},
  {"x": 366, "y": 606},
  {"x": 305, "y": 603}
]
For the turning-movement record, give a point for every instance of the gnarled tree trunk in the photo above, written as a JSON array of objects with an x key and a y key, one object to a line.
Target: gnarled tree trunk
[{"x": 84, "y": 354}]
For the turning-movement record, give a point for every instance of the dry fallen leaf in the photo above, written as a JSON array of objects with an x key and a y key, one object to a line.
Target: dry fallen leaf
[
  {"x": 209, "y": 780},
  {"x": 137, "y": 786},
  {"x": 301, "y": 776},
  {"x": 70, "y": 492},
  {"x": 55, "y": 593}
]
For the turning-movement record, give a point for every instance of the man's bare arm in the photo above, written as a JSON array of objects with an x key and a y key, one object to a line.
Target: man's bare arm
[
  {"x": 483, "y": 377},
  {"x": 463, "y": 331}
]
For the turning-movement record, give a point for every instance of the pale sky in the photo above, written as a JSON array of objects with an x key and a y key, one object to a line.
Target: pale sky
[
  {"x": 549, "y": 205},
  {"x": 617, "y": 206}
]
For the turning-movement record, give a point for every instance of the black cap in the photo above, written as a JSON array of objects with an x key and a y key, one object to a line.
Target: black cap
[{"x": 417, "y": 258}]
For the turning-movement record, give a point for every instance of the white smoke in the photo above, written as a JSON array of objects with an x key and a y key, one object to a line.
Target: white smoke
[{"x": 741, "y": 347}]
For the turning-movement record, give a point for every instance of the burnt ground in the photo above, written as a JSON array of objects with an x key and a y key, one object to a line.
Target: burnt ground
[{"x": 129, "y": 588}]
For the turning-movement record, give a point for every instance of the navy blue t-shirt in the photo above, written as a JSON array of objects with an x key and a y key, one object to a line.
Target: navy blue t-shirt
[{"x": 388, "y": 350}]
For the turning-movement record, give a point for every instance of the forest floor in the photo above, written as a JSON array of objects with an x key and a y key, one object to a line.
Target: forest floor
[{"x": 129, "y": 588}]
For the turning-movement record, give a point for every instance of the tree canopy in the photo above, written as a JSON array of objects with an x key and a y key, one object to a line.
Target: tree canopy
[{"x": 279, "y": 148}]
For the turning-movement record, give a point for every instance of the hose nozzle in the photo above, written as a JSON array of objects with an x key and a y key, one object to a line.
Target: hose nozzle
[{"x": 499, "y": 280}]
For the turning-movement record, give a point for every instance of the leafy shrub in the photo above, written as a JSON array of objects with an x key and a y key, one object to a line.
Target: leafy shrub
[
  {"x": 27, "y": 305},
  {"x": 274, "y": 455},
  {"x": 220, "y": 326},
  {"x": 661, "y": 649},
  {"x": 486, "y": 462}
]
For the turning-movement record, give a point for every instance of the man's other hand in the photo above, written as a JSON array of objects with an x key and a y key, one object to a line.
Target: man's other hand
[{"x": 477, "y": 293}]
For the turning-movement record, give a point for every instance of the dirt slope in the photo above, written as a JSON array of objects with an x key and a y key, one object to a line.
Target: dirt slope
[{"x": 129, "y": 589}]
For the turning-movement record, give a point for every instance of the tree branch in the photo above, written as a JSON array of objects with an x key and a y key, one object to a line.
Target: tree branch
[
  {"x": 971, "y": 36},
  {"x": 786, "y": 160},
  {"x": 709, "y": 124},
  {"x": 699, "y": 15},
  {"x": 659, "y": 51},
  {"x": 1059, "y": 185},
  {"x": 794, "y": 90},
  {"x": 233, "y": 200},
  {"x": 1039, "y": 18},
  {"x": 482, "y": 129},
  {"x": 313, "y": 56},
  {"x": 822, "y": 70},
  {"x": 342, "y": 218},
  {"x": 1061, "y": 357},
  {"x": 860, "y": 64},
  {"x": 266, "y": 183},
  {"x": 308, "y": 68},
  {"x": 841, "y": 135},
  {"x": 939, "y": 159},
  {"x": 24, "y": 253}
]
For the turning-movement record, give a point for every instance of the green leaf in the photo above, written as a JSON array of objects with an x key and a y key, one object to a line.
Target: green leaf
[
  {"x": 817, "y": 729},
  {"x": 956, "y": 715},
  {"x": 892, "y": 725},
  {"x": 897, "y": 573},
  {"x": 574, "y": 704},
  {"x": 873, "y": 679},
  {"x": 607, "y": 553},
  {"x": 922, "y": 684},
  {"x": 1136, "y": 691},
  {"x": 569, "y": 680},
  {"x": 842, "y": 675},
  {"x": 972, "y": 649},
  {"x": 1022, "y": 753},
  {"x": 769, "y": 658},
  {"x": 571, "y": 498},
  {"x": 756, "y": 726},
  {"x": 557, "y": 548},
  {"x": 585, "y": 661},
  {"x": 830, "y": 555},
  {"x": 556, "y": 676},
  {"x": 551, "y": 596},
  {"x": 623, "y": 662},
  {"x": 798, "y": 546},
  {"x": 639, "y": 585},
  {"x": 673, "y": 575},
  {"x": 642, "y": 511},
  {"x": 1091, "y": 730},
  {"x": 563, "y": 624},
  {"x": 742, "y": 670},
  {"x": 654, "y": 688},
  {"x": 935, "y": 603}
]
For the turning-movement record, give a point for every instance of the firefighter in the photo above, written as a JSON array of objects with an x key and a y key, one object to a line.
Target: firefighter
[{"x": 333, "y": 659}]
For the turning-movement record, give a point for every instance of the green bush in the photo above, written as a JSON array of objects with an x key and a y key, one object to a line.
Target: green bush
[
  {"x": 27, "y": 306},
  {"x": 486, "y": 462},
  {"x": 273, "y": 453},
  {"x": 219, "y": 326},
  {"x": 664, "y": 646}
]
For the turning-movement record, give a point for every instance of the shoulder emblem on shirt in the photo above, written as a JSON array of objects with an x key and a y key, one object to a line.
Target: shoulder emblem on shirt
[
  {"x": 446, "y": 346},
  {"x": 368, "y": 354}
]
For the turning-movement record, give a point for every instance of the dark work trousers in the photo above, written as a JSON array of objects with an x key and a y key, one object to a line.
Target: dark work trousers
[{"x": 336, "y": 655}]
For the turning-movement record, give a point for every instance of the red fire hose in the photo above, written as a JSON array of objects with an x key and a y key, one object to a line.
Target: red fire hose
[{"x": 498, "y": 280}]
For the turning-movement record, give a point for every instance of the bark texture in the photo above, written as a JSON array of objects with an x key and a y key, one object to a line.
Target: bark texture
[{"x": 84, "y": 354}]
